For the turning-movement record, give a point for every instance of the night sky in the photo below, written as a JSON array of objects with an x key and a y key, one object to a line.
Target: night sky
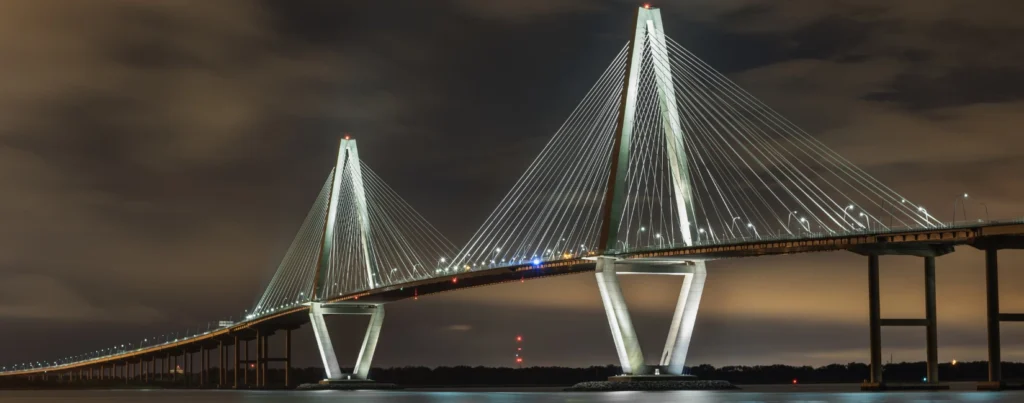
[{"x": 156, "y": 158}]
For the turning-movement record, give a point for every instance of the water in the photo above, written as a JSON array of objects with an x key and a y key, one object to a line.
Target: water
[{"x": 842, "y": 394}]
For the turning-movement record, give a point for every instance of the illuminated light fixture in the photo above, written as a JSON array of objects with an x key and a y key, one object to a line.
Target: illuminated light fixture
[
  {"x": 536, "y": 262},
  {"x": 647, "y": 6},
  {"x": 455, "y": 280},
  {"x": 347, "y": 137}
]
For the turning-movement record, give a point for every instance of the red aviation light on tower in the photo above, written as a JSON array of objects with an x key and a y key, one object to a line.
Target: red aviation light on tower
[
  {"x": 647, "y": 6},
  {"x": 519, "y": 338},
  {"x": 347, "y": 136}
]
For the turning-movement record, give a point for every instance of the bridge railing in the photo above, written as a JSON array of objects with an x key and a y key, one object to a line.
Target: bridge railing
[{"x": 704, "y": 240}]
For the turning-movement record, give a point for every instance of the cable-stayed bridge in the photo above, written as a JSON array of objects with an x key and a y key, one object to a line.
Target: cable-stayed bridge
[{"x": 664, "y": 166}]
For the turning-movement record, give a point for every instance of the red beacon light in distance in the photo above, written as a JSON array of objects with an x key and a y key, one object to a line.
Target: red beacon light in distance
[
  {"x": 647, "y": 6},
  {"x": 347, "y": 136}
]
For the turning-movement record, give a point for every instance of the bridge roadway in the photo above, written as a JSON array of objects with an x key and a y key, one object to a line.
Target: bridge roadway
[{"x": 140, "y": 364}]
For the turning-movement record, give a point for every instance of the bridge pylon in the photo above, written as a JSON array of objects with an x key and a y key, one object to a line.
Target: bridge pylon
[
  {"x": 348, "y": 171},
  {"x": 649, "y": 38}
]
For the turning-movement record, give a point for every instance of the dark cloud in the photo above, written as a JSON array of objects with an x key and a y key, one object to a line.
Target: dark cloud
[{"x": 156, "y": 158}]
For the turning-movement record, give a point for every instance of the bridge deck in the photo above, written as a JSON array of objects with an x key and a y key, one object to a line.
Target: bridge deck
[{"x": 929, "y": 242}]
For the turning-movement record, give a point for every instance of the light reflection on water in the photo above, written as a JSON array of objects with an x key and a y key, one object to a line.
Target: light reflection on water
[{"x": 546, "y": 396}]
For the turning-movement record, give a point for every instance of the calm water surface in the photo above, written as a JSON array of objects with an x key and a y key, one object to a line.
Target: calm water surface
[{"x": 750, "y": 394}]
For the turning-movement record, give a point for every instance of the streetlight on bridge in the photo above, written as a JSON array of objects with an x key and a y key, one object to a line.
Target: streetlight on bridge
[
  {"x": 963, "y": 205},
  {"x": 792, "y": 214}
]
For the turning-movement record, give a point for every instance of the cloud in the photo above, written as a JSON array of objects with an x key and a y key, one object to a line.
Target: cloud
[
  {"x": 524, "y": 10},
  {"x": 45, "y": 298}
]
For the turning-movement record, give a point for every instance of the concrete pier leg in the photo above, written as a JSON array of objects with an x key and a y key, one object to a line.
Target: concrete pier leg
[
  {"x": 188, "y": 368},
  {"x": 631, "y": 357},
  {"x": 264, "y": 360},
  {"x": 205, "y": 370},
  {"x": 259, "y": 356},
  {"x": 930, "y": 317},
  {"x": 234, "y": 374},
  {"x": 362, "y": 368},
  {"x": 875, "y": 319},
  {"x": 673, "y": 358},
  {"x": 992, "y": 293},
  {"x": 287, "y": 357},
  {"x": 245, "y": 375},
  {"x": 323, "y": 341},
  {"x": 261, "y": 360},
  {"x": 223, "y": 363}
]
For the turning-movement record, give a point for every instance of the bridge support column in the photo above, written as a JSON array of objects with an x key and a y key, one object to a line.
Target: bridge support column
[
  {"x": 234, "y": 374},
  {"x": 263, "y": 360},
  {"x": 246, "y": 373},
  {"x": 631, "y": 357},
  {"x": 361, "y": 370},
  {"x": 287, "y": 357},
  {"x": 259, "y": 356},
  {"x": 992, "y": 310},
  {"x": 188, "y": 367},
  {"x": 220, "y": 368},
  {"x": 931, "y": 318},
  {"x": 204, "y": 365},
  {"x": 677, "y": 344},
  {"x": 876, "y": 380},
  {"x": 875, "y": 320}
]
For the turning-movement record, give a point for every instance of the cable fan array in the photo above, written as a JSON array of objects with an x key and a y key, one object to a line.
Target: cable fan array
[
  {"x": 390, "y": 244},
  {"x": 751, "y": 173},
  {"x": 708, "y": 163},
  {"x": 293, "y": 280},
  {"x": 554, "y": 210}
]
